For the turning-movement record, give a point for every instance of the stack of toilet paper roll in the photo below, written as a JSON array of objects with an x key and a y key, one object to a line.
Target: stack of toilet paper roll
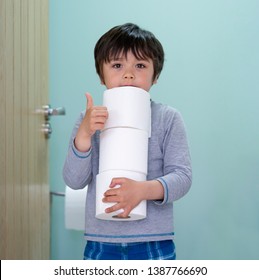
[{"x": 123, "y": 145}]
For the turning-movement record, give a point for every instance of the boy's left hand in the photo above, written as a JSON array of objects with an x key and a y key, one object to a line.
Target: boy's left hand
[{"x": 127, "y": 195}]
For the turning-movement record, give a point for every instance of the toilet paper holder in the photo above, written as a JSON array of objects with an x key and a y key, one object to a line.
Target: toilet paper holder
[{"x": 57, "y": 193}]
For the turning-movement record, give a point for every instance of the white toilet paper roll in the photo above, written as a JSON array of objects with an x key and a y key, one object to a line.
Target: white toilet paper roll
[
  {"x": 123, "y": 149},
  {"x": 103, "y": 181},
  {"x": 75, "y": 208},
  {"x": 128, "y": 107}
]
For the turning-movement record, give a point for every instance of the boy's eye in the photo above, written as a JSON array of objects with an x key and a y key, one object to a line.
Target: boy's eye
[
  {"x": 116, "y": 65},
  {"x": 140, "y": 65}
]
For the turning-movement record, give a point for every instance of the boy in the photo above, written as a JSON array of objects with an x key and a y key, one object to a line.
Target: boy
[{"x": 129, "y": 56}]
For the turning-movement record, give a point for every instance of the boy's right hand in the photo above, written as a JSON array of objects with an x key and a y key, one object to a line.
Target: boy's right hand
[
  {"x": 95, "y": 116},
  {"x": 94, "y": 119}
]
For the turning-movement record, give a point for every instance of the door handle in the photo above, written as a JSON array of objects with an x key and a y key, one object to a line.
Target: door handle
[{"x": 48, "y": 111}]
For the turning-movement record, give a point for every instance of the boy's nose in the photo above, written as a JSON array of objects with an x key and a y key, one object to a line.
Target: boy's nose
[{"x": 128, "y": 75}]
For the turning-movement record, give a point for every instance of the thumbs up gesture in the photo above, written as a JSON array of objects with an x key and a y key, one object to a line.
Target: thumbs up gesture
[{"x": 94, "y": 119}]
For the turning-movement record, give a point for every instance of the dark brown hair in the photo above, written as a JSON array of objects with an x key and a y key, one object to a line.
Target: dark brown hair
[{"x": 128, "y": 37}]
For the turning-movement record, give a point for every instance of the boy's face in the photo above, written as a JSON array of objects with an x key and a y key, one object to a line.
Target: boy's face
[{"x": 128, "y": 71}]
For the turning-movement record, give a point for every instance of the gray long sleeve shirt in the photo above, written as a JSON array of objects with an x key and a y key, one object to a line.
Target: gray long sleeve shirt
[{"x": 168, "y": 162}]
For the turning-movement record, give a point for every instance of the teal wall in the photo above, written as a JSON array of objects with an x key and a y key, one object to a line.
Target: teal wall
[{"x": 211, "y": 75}]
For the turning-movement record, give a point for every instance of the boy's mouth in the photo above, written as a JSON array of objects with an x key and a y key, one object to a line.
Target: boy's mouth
[{"x": 128, "y": 85}]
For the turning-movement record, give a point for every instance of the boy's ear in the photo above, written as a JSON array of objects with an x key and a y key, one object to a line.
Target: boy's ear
[
  {"x": 102, "y": 81},
  {"x": 155, "y": 80}
]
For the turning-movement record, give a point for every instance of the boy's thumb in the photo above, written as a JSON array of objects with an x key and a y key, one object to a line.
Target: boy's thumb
[
  {"x": 90, "y": 102},
  {"x": 116, "y": 182}
]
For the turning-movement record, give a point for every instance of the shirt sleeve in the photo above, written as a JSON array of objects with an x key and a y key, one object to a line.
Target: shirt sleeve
[
  {"x": 77, "y": 171},
  {"x": 177, "y": 169}
]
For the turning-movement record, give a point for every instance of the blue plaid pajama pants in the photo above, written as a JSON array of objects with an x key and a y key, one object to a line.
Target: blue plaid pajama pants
[{"x": 153, "y": 250}]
